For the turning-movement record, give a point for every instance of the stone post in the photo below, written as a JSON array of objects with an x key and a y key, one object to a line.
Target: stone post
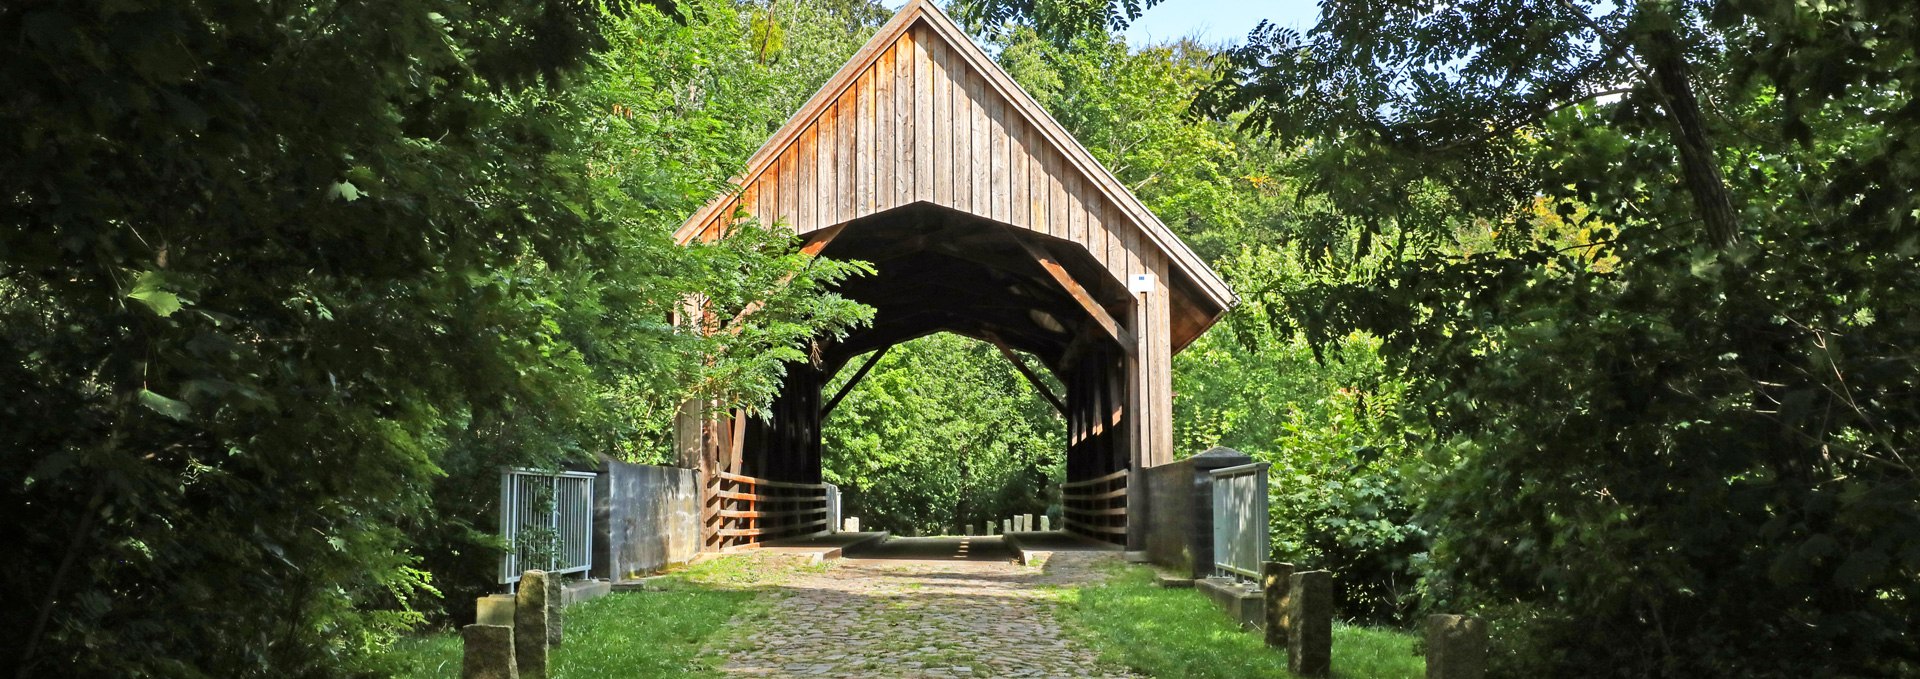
[
  {"x": 494, "y": 609},
  {"x": 1044, "y": 520},
  {"x": 1310, "y": 623},
  {"x": 1276, "y": 579},
  {"x": 487, "y": 652},
  {"x": 969, "y": 529},
  {"x": 1456, "y": 647},
  {"x": 530, "y": 625},
  {"x": 850, "y": 525},
  {"x": 1006, "y": 526},
  {"x": 556, "y": 608}
]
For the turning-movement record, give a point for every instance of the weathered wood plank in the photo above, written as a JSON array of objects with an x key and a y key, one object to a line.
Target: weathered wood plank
[
  {"x": 825, "y": 202},
  {"x": 979, "y": 151},
  {"x": 1001, "y": 189},
  {"x": 941, "y": 85},
  {"x": 848, "y": 185},
  {"x": 789, "y": 187},
  {"x": 1018, "y": 159},
  {"x": 962, "y": 135},
  {"x": 903, "y": 120},
  {"x": 863, "y": 173},
  {"x": 923, "y": 124},
  {"x": 806, "y": 169},
  {"x": 1056, "y": 198},
  {"x": 884, "y": 142}
]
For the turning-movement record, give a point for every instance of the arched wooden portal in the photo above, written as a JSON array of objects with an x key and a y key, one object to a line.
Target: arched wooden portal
[{"x": 984, "y": 218}]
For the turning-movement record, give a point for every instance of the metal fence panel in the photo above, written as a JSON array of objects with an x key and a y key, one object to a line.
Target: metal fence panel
[
  {"x": 1240, "y": 538},
  {"x": 546, "y": 519}
]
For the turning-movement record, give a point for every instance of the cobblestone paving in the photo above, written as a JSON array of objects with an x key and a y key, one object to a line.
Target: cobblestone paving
[{"x": 913, "y": 617}]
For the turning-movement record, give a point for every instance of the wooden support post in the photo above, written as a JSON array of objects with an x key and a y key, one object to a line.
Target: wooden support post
[
  {"x": 1080, "y": 294},
  {"x": 848, "y": 387},
  {"x": 1020, "y": 364}
]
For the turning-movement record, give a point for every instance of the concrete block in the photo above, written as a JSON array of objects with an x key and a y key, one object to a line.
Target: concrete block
[
  {"x": 969, "y": 529},
  {"x": 1310, "y": 623},
  {"x": 1276, "y": 579},
  {"x": 1168, "y": 581},
  {"x": 494, "y": 609},
  {"x": 1456, "y": 647},
  {"x": 585, "y": 590},
  {"x": 487, "y": 652},
  {"x": 1243, "y": 602},
  {"x": 1044, "y": 519},
  {"x": 850, "y": 525},
  {"x": 530, "y": 613}
]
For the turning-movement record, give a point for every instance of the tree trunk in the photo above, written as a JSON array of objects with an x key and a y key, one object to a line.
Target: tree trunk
[{"x": 1699, "y": 168}]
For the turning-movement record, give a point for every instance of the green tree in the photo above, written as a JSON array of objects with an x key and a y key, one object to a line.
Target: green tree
[
  {"x": 942, "y": 433},
  {"x": 282, "y": 286}
]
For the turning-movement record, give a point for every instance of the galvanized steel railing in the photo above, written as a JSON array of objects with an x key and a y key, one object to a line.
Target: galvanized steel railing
[
  {"x": 1240, "y": 538},
  {"x": 546, "y": 519}
]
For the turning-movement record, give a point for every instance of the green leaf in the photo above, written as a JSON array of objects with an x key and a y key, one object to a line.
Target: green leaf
[
  {"x": 148, "y": 291},
  {"x": 344, "y": 190},
  {"x": 173, "y": 409}
]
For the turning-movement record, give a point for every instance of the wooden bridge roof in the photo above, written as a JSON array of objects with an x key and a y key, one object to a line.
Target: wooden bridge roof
[{"x": 920, "y": 121}]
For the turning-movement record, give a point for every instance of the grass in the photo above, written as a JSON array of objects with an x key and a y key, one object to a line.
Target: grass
[
  {"x": 632, "y": 634},
  {"x": 1132, "y": 621}
]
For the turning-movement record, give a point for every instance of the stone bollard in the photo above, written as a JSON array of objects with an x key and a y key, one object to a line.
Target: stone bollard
[
  {"x": 556, "y": 608},
  {"x": 487, "y": 652},
  {"x": 969, "y": 529},
  {"x": 1006, "y": 525},
  {"x": 1043, "y": 524},
  {"x": 1276, "y": 579},
  {"x": 850, "y": 525},
  {"x": 1028, "y": 519},
  {"x": 530, "y": 625},
  {"x": 493, "y": 609},
  {"x": 1310, "y": 623},
  {"x": 1456, "y": 647}
]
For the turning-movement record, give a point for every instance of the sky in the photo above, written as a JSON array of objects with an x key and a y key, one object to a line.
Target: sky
[
  {"x": 1218, "y": 21},
  {"x": 1212, "y": 21}
]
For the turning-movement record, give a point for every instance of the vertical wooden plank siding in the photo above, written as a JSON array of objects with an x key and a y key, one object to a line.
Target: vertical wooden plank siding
[
  {"x": 884, "y": 167},
  {"x": 979, "y": 153},
  {"x": 903, "y": 120},
  {"x": 1018, "y": 159},
  {"x": 1056, "y": 197},
  {"x": 923, "y": 125},
  {"x": 824, "y": 181},
  {"x": 848, "y": 184},
  {"x": 863, "y": 146},
  {"x": 1002, "y": 175},
  {"x": 807, "y": 164},
  {"x": 961, "y": 113},
  {"x": 941, "y": 87},
  {"x": 790, "y": 187},
  {"x": 1036, "y": 181}
]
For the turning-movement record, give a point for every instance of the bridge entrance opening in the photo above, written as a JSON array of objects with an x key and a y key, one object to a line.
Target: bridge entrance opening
[{"x": 983, "y": 218}]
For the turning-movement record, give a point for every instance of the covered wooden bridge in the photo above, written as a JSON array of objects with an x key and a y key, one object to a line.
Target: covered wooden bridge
[{"x": 983, "y": 217}]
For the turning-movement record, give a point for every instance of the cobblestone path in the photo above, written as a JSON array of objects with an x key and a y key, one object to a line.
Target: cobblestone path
[{"x": 926, "y": 607}]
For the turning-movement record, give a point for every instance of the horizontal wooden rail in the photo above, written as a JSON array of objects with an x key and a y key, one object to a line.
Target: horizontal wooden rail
[
  {"x": 1107, "y": 478},
  {"x": 1096, "y": 507},
  {"x": 743, "y": 511}
]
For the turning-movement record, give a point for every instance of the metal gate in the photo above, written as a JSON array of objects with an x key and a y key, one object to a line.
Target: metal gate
[
  {"x": 546, "y": 519},
  {"x": 1240, "y": 538}
]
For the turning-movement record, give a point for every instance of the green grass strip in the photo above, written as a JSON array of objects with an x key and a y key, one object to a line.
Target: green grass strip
[{"x": 1134, "y": 622}]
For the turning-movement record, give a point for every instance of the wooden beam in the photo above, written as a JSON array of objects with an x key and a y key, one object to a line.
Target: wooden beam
[
  {"x": 1080, "y": 294},
  {"x": 1020, "y": 364},
  {"x": 848, "y": 387}
]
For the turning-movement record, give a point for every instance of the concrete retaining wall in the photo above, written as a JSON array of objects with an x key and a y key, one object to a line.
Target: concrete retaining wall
[
  {"x": 645, "y": 518},
  {"x": 1180, "y": 510}
]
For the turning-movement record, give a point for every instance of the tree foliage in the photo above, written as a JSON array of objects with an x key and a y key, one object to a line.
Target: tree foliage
[
  {"x": 281, "y": 286},
  {"x": 943, "y": 433}
]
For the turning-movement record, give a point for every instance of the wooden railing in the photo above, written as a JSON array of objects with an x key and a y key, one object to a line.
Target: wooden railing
[
  {"x": 743, "y": 510},
  {"x": 1097, "y": 507}
]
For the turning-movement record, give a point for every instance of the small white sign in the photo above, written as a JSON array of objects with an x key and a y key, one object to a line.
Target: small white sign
[{"x": 1140, "y": 283}]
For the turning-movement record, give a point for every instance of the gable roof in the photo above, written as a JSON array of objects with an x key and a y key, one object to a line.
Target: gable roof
[{"x": 1092, "y": 189}]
